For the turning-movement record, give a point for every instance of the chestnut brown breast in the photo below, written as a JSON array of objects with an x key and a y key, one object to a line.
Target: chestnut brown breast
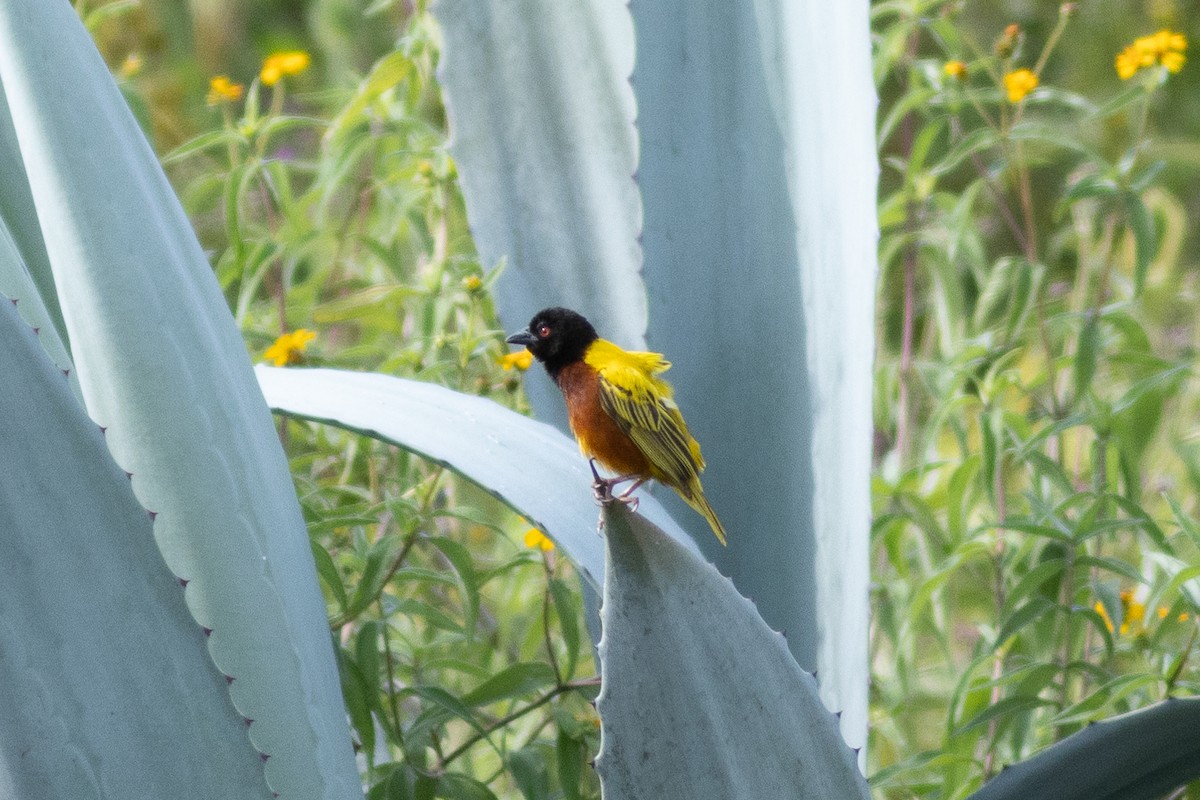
[{"x": 598, "y": 435}]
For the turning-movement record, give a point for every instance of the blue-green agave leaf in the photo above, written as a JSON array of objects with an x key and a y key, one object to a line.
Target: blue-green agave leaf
[
  {"x": 541, "y": 123},
  {"x": 701, "y": 699},
  {"x": 163, "y": 368},
  {"x": 758, "y": 176},
  {"x": 1141, "y": 755},
  {"x": 19, "y": 217},
  {"x": 106, "y": 688},
  {"x": 529, "y": 465},
  {"x": 16, "y": 284}
]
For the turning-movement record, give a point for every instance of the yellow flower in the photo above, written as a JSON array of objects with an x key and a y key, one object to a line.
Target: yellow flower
[
  {"x": 1103, "y": 612},
  {"x": 538, "y": 540},
  {"x": 955, "y": 69},
  {"x": 1183, "y": 617},
  {"x": 1163, "y": 611},
  {"x": 1019, "y": 83},
  {"x": 277, "y": 65},
  {"x": 131, "y": 66},
  {"x": 1165, "y": 47},
  {"x": 521, "y": 359},
  {"x": 289, "y": 348},
  {"x": 221, "y": 89},
  {"x": 472, "y": 283}
]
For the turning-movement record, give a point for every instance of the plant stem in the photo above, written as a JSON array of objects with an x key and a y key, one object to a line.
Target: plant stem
[
  {"x": 999, "y": 595},
  {"x": 562, "y": 688},
  {"x": 907, "y": 136}
]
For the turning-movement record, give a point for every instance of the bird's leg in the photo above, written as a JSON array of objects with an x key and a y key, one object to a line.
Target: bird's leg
[
  {"x": 625, "y": 498},
  {"x": 602, "y": 488}
]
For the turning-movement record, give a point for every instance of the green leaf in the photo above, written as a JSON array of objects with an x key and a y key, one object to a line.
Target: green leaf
[
  {"x": 528, "y": 768},
  {"x": 516, "y": 680},
  {"x": 163, "y": 368},
  {"x": 396, "y": 785},
  {"x": 1145, "y": 242},
  {"x": 1003, "y": 708},
  {"x": 385, "y": 74},
  {"x": 1027, "y": 614},
  {"x": 442, "y": 699},
  {"x": 527, "y": 464},
  {"x": 571, "y": 753},
  {"x": 1086, "y": 353},
  {"x": 329, "y": 573},
  {"x": 1111, "y": 692},
  {"x": 974, "y": 142},
  {"x": 456, "y": 786},
  {"x": 360, "y": 694},
  {"x": 676, "y": 631},
  {"x": 199, "y": 144},
  {"x": 468, "y": 580},
  {"x": 569, "y": 614}
]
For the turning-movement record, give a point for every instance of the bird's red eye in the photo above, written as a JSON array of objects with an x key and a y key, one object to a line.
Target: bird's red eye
[{"x": 543, "y": 331}]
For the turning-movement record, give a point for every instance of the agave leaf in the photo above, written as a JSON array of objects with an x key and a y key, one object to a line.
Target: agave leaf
[
  {"x": 16, "y": 285},
  {"x": 758, "y": 174},
  {"x": 106, "y": 688},
  {"x": 541, "y": 121},
  {"x": 701, "y": 699},
  {"x": 163, "y": 368},
  {"x": 1141, "y": 755},
  {"x": 527, "y": 464},
  {"x": 20, "y": 218}
]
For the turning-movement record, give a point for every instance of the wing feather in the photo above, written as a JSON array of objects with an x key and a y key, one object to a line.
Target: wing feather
[{"x": 655, "y": 425}]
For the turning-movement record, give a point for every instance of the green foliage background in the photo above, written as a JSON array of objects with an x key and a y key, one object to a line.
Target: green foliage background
[{"x": 1036, "y": 458}]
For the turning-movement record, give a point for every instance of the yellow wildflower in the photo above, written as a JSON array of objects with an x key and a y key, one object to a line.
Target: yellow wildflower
[
  {"x": 1163, "y": 611},
  {"x": 1165, "y": 47},
  {"x": 131, "y": 66},
  {"x": 1019, "y": 83},
  {"x": 537, "y": 540},
  {"x": 1183, "y": 617},
  {"x": 1103, "y": 612},
  {"x": 521, "y": 359},
  {"x": 289, "y": 348},
  {"x": 277, "y": 65},
  {"x": 221, "y": 89},
  {"x": 955, "y": 69},
  {"x": 472, "y": 283}
]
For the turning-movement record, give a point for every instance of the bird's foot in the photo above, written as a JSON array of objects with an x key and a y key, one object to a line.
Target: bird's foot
[{"x": 602, "y": 488}]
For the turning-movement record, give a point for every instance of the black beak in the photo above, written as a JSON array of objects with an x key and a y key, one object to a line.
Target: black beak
[{"x": 523, "y": 338}]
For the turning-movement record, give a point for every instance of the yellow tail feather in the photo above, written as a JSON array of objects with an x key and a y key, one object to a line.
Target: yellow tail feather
[{"x": 696, "y": 499}]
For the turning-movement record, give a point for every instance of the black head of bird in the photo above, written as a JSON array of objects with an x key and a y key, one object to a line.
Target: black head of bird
[{"x": 556, "y": 337}]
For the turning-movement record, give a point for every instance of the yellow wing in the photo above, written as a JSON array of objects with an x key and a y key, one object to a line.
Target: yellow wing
[{"x": 633, "y": 395}]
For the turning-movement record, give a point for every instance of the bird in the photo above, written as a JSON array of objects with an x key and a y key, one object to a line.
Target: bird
[{"x": 621, "y": 412}]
